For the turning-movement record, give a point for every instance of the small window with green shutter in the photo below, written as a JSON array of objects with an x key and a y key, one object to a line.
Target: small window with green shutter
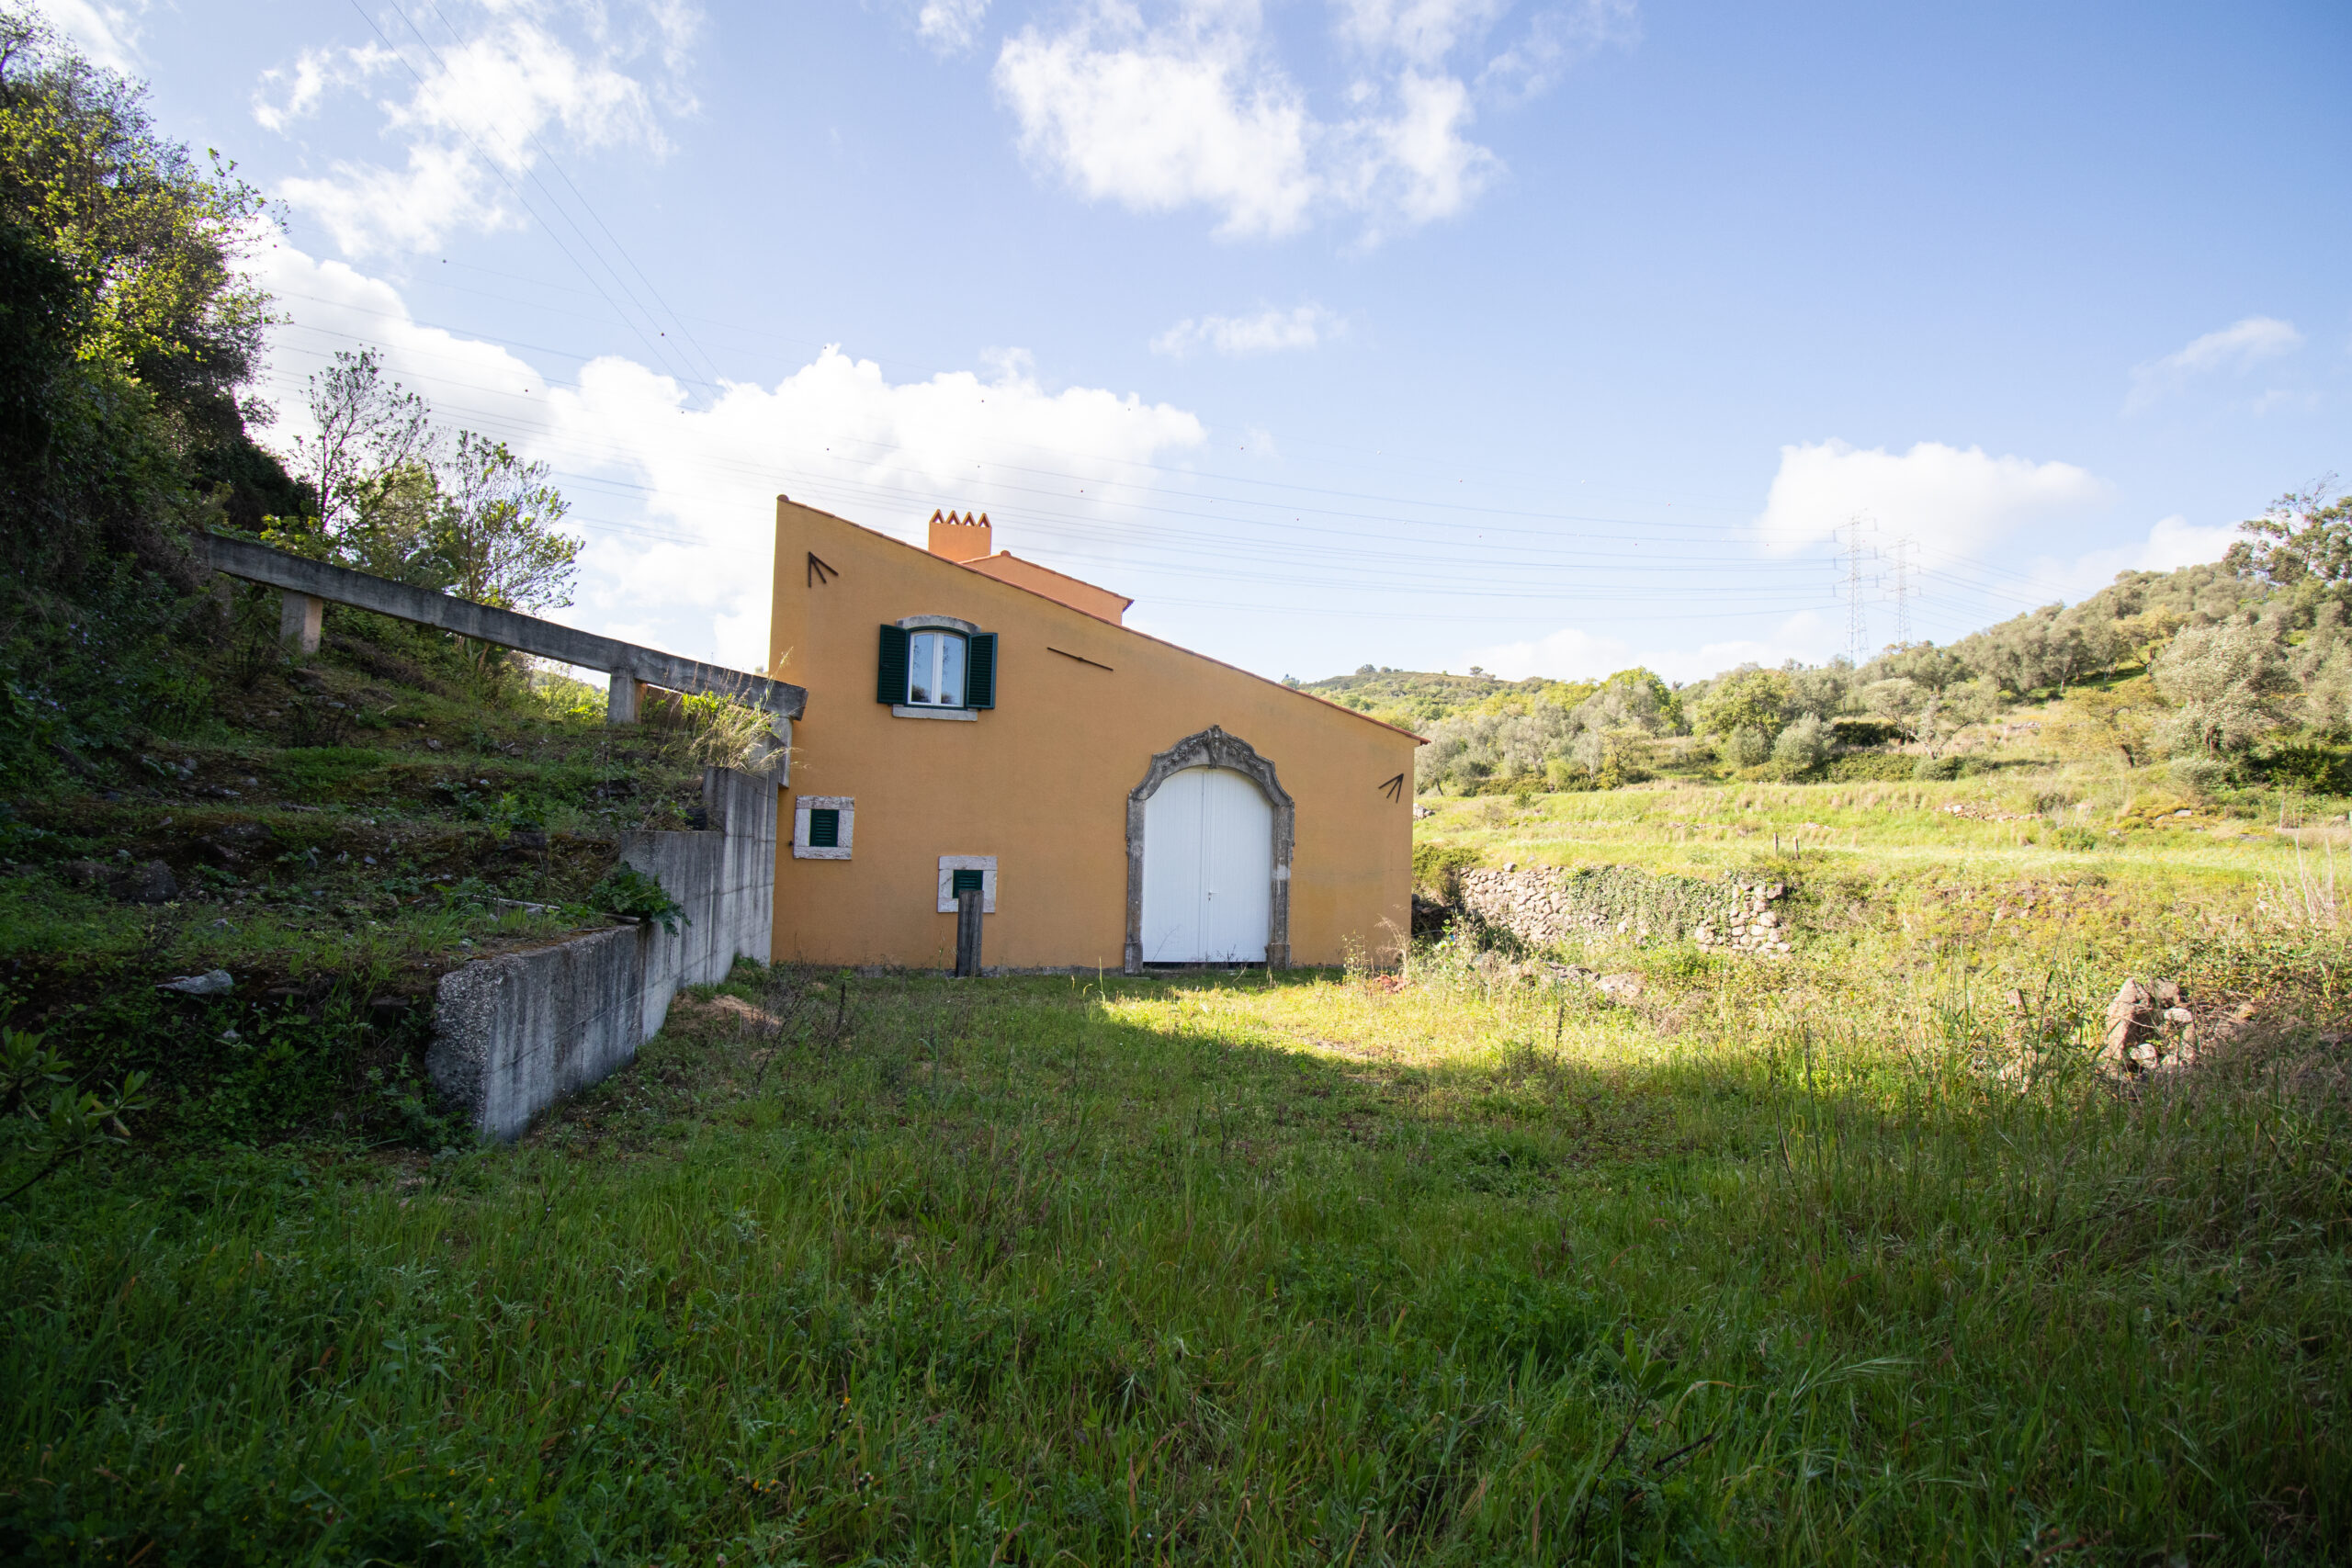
[
  {"x": 959, "y": 875},
  {"x": 823, "y": 827}
]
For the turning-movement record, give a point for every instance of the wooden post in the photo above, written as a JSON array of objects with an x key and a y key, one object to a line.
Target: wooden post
[{"x": 967, "y": 933}]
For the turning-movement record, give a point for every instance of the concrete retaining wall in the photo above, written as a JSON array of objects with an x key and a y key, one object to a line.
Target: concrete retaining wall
[
  {"x": 516, "y": 1033},
  {"x": 1551, "y": 905}
]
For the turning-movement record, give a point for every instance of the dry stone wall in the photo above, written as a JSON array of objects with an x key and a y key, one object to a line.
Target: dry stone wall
[{"x": 1551, "y": 905}]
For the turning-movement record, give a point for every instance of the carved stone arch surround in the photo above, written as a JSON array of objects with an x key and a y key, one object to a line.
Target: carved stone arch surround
[{"x": 1213, "y": 748}]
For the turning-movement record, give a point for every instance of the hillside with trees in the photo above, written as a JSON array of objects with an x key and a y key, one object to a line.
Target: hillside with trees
[
  {"x": 2233, "y": 672},
  {"x": 129, "y": 342}
]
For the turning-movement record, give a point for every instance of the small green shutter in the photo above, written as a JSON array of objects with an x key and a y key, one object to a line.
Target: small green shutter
[
  {"x": 979, "y": 670},
  {"x": 824, "y": 828},
  {"x": 964, "y": 881},
  {"x": 890, "y": 683}
]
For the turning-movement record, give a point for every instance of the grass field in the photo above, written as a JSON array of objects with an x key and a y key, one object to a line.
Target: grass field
[{"x": 1850, "y": 1257}]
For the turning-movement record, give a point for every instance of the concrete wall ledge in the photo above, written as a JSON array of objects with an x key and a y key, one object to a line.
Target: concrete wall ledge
[{"x": 516, "y": 1031}]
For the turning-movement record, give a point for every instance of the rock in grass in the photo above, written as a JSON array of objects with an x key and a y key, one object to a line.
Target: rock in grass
[
  {"x": 2130, "y": 1025},
  {"x": 211, "y": 982},
  {"x": 1623, "y": 988},
  {"x": 2148, "y": 1028},
  {"x": 234, "y": 845},
  {"x": 148, "y": 882}
]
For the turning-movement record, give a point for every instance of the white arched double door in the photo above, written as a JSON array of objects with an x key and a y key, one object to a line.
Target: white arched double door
[{"x": 1208, "y": 869}]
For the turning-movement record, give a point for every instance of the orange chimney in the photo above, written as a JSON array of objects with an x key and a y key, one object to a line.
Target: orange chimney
[{"x": 959, "y": 539}]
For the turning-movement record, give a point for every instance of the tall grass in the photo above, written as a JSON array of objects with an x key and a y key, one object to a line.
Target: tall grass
[
  {"x": 2307, "y": 899},
  {"x": 1800, "y": 1264}
]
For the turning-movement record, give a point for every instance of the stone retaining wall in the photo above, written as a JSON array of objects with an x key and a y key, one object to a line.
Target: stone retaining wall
[
  {"x": 1551, "y": 905},
  {"x": 515, "y": 1033}
]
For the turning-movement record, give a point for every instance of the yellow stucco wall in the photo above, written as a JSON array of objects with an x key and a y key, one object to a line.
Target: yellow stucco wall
[{"x": 1041, "y": 781}]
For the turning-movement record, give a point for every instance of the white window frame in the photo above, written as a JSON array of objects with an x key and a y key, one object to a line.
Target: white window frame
[
  {"x": 912, "y": 624},
  {"x": 802, "y": 805},
  {"x": 950, "y": 864}
]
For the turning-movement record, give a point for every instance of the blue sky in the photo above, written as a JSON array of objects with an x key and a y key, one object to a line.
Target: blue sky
[{"x": 1548, "y": 336}]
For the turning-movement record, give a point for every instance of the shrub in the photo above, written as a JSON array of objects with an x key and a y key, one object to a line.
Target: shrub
[
  {"x": 1746, "y": 747},
  {"x": 1848, "y": 730},
  {"x": 1804, "y": 745},
  {"x": 1438, "y": 868},
  {"x": 2199, "y": 776},
  {"x": 629, "y": 891},
  {"x": 2324, "y": 770},
  {"x": 1930, "y": 768}
]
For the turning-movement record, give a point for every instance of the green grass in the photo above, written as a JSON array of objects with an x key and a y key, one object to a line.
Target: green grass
[
  {"x": 2029, "y": 826},
  {"x": 1823, "y": 1261}
]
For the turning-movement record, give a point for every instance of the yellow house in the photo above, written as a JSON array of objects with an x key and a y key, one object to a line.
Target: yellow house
[{"x": 978, "y": 720}]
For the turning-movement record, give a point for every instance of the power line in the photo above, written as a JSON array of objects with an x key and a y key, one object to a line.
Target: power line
[
  {"x": 651, "y": 345},
  {"x": 590, "y": 208}
]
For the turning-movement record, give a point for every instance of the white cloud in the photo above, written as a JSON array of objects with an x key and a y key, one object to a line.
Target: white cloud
[
  {"x": 1189, "y": 106},
  {"x": 950, "y": 25},
  {"x": 1570, "y": 654},
  {"x": 1158, "y": 119},
  {"x": 520, "y": 71},
  {"x": 2239, "y": 346},
  {"x": 2174, "y": 542},
  {"x": 1413, "y": 166},
  {"x": 1556, "y": 40},
  {"x": 108, "y": 34},
  {"x": 1268, "y": 332},
  {"x": 1422, "y": 31},
  {"x": 1952, "y": 502},
  {"x": 2171, "y": 543},
  {"x": 678, "y": 501},
  {"x": 288, "y": 95}
]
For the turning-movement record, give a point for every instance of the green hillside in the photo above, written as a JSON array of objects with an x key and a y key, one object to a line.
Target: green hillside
[
  {"x": 1413, "y": 699},
  {"x": 2232, "y": 674}
]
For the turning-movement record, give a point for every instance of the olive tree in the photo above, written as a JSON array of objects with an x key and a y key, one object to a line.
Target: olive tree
[
  {"x": 2226, "y": 684},
  {"x": 1748, "y": 698},
  {"x": 2305, "y": 537}
]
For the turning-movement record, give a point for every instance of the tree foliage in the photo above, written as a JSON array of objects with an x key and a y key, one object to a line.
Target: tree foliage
[
  {"x": 131, "y": 330},
  {"x": 2118, "y": 720},
  {"x": 2304, "y": 537},
  {"x": 401, "y": 498},
  {"x": 1572, "y": 735},
  {"x": 2226, "y": 684},
  {"x": 1748, "y": 698},
  {"x": 128, "y": 334}
]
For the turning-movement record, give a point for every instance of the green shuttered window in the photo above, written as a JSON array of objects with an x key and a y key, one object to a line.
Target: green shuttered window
[
  {"x": 964, "y": 882},
  {"x": 824, "y": 829},
  {"x": 935, "y": 668}
]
